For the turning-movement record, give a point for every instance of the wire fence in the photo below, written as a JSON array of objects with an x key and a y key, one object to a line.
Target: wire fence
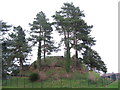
[{"x": 24, "y": 82}]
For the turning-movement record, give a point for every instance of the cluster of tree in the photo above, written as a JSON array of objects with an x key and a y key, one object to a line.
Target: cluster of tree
[
  {"x": 41, "y": 31},
  {"x": 68, "y": 22},
  {"x": 15, "y": 47}
]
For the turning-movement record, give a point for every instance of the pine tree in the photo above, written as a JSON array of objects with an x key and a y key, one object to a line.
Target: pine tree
[
  {"x": 4, "y": 51},
  {"x": 20, "y": 47},
  {"x": 4, "y": 29},
  {"x": 48, "y": 44},
  {"x": 41, "y": 31},
  {"x": 7, "y": 58},
  {"x": 80, "y": 38},
  {"x": 69, "y": 22},
  {"x": 63, "y": 26},
  {"x": 92, "y": 59}
]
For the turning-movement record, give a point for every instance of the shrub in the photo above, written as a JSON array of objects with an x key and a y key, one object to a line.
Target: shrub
[
  {"x": 91, "y": 77},
  {"x": 33, "y": 77},
  {"x": 35, "y": 66},
  {"x": 15, "y": 72},
  {"x": 4, "y": 75}
]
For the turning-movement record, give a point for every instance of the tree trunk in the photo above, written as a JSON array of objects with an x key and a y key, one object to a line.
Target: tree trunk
[
  {"x": 21, "y": 66},
  {"x": 39, "y": 51},
  {"x": 67, "y": 54},
  {"x": 76, "y": 57},
  {"x": 44, "y": 50},
  {"x": 65, "y": 43},
  {"x": 21, "y": 63},
  {"x": 76, "y": 52},
  {"x": 39, "y": 55}
]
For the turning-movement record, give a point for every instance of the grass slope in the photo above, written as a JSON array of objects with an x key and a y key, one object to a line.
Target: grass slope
[
  {"x": 79, "y": 81},
  {"x": 113, "y": 85},
  {"x": 55, "y": 76}
]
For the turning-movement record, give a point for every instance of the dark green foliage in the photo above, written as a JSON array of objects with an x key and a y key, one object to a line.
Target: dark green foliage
[
  {"x": 7, "y": 58},
  {"x": 92, "y": 59},
  {"x": 77, "y": 81},
  {"x": 4, "y": 45},
  {"x": 92, "y": 81},
  {"x": 4, "y": 28},
  {"x": 41, "y": 31},
  {"x": 62, "y": 23},
  {"x": 4, "y": 75},
  {"x": 15, "y": 72},
  {"x": 69, "y": 22},
  {"x": 33, "y": 77},
  {"x": 20, "y": 47},
  {"x": 68, "y": 62},
  {"x": 35, "y": 65}
]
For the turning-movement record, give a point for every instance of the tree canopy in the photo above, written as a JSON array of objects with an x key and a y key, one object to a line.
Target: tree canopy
[
  {"x": 69, "y": 23},
  {"x": 41, "y": 31}
]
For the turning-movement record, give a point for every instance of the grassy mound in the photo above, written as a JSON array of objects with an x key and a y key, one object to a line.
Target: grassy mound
[
  {"x": 52, "y": 74},
  {"x": 53, "y": 68},
  {"x": 79, "y": 81}
]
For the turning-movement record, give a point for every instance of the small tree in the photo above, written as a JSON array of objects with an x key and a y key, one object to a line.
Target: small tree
[{"x": 33, "y": 77}]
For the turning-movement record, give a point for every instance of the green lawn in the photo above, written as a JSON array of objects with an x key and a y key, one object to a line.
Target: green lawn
[
  {"x": 23, "y": 82},
  {"x": 113, "y": 85}
]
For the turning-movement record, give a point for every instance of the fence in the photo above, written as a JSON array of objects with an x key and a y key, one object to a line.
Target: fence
[{"x": 24, "y": 82}]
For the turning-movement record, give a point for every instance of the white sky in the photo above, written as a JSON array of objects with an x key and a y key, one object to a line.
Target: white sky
[{"x": 102, "y": 14}]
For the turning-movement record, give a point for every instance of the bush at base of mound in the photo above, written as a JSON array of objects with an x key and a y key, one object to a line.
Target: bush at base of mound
[{"x": 34, "y": 77}]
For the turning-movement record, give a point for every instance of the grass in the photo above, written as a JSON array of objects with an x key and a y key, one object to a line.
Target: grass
[
  {"x": 59, "y": 61},
  {"x": 113, "y": 85},
  {"x": 23, "y": 82},
  {"x": 26, "y": 73},
  {"x": 56, "y": 77}
]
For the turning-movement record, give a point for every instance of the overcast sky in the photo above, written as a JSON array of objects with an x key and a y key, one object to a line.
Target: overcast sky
[{"x": 102, "y": 14}]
